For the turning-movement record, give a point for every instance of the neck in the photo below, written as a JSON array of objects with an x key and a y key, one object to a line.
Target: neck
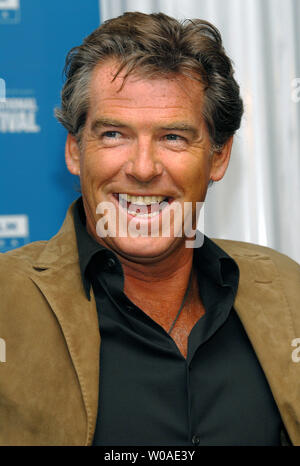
[{"x": 167, "y": 279}]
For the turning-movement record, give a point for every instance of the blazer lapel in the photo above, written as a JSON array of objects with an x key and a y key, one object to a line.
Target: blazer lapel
[
  {"x": 264, "y": 311},
  {"x": 57, "y": 275}
]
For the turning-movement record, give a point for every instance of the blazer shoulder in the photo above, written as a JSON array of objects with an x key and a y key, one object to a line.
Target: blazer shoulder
[
  {"x": 266, "y": 264},
  {"x": 20, "y": 259},
  {"x": 243, "y": 248},
  {"x": 19, "y": 296}
]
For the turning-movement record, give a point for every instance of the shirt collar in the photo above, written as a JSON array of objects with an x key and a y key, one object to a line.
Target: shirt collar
[
  {"x": 215, "y": 263},
  {"x": 87, "y": 246}
]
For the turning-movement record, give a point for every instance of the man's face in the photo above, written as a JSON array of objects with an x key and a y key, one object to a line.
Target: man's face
[{"x": 147, "y": 139}]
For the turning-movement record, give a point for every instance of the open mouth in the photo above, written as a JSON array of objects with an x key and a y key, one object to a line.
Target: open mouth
[{"x": 143, "y": 206}]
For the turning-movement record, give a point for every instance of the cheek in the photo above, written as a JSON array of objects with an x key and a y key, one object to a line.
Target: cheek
[
  {"x": 194, "y": 177},
  {"x": 98, "y": 167}
]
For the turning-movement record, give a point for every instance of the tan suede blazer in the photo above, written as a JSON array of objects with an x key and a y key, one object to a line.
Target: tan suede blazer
[{"x": 49, "y": 380}]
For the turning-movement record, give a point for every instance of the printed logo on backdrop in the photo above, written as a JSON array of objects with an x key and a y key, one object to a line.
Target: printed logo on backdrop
[
  {"x": 14, "y": 231},
  {"x": 10, "y": 11},
  {"x": 18, "y": 114}
]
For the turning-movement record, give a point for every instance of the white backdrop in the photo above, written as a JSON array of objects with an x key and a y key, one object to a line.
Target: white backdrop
[{"x": 258, "y": 199}]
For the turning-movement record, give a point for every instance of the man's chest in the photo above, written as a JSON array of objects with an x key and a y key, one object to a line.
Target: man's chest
[
  {"x": 166, "y": 315},
  {"x": 150, "y": 393}
]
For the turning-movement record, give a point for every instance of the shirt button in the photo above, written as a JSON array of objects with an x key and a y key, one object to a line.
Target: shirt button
[
  {"x": 196, "y": 439},
  {"x": 111, "y": 263}
]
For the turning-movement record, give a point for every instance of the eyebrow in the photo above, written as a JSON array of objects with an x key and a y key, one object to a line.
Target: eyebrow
[
  {"x": 181, "y": 126},
  {"x": 105, "y": 122},
  {"x": 176, "y": 126}
]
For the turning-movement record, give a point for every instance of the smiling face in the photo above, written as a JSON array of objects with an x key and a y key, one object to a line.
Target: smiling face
[{"x": 147, "y": 140}]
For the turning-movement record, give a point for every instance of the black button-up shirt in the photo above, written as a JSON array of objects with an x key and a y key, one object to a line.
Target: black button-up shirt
[{"x": 149, "y": 394}]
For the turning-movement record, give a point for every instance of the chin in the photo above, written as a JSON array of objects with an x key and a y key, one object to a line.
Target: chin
[{"x": 144, "y": 248}]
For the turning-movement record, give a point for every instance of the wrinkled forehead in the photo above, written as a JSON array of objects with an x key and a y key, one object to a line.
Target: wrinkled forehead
[{"x": 109, "y": 82}]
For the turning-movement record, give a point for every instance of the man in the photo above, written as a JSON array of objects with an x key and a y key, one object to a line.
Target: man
[{"x": 195, "y": 341}]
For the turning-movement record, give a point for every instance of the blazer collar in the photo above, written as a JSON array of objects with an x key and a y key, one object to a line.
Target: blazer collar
[
  {"x": 266, "y": 315},
  {"x": 56, "y": 273}
]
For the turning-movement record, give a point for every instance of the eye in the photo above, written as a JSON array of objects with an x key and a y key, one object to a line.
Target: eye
[
  {"x": 175, "y": 141},
  {"x": 111, "y": 134},
  {"x": 174, "y": 137},
  {"x": 111, "y": 138}
]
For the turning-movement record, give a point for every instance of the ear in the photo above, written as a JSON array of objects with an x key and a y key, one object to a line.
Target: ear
[
  {"x": 72, "y": 155},
  {"x": 220, "y": 161}
]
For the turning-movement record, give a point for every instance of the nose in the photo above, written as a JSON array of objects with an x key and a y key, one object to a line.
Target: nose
[{"x": 143, "y": 163}]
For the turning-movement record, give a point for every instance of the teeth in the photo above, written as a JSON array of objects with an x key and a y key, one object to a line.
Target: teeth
[
  {"x": 152, "y": 214},
  {"x": 141, "y": 200}
]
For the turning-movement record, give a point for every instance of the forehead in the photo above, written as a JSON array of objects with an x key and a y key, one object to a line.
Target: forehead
[{"x": 170, "y": 93}]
